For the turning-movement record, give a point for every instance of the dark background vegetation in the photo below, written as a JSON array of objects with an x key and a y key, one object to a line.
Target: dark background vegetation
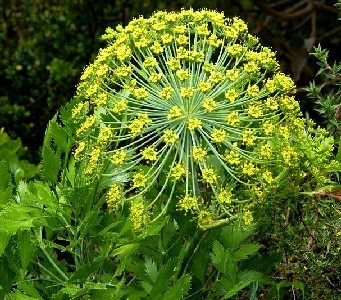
[{"x": 45, "y": 45}]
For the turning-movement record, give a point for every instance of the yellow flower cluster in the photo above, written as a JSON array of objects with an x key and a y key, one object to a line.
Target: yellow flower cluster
[
  {"x": 178, "y": 171},
  {"x": 194, "y": 123},
  {"x": 149, "y": 153},
  {"x": 209, "y": 176},
  {"x": 139, "y": 124},
  {"x": 199, "y": 153},
  {"x": 176, "y": 94}
]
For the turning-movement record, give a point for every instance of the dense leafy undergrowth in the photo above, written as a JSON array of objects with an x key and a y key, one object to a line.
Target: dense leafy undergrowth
[{"x": 181, "y": 170}]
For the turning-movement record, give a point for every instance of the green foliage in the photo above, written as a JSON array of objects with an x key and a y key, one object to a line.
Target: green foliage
[{"x": 327, "y": 93}]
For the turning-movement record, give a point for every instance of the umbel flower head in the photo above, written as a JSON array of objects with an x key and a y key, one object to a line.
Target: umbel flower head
[{"x": 193, "y": 109}]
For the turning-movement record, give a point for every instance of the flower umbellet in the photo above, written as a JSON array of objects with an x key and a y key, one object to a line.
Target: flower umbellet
[{"x": 191, "y": 105}]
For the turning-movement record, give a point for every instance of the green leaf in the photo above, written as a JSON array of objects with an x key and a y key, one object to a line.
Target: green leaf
[
  {"x": 29, "y": 289},
  {"x": 179, "y": 289},
  {"x": 6, "y": 186},
  {"x": 51, "y": 164},
  {"x": 59, "y": 135},
  {"x": 246, "y": 251},
  {"x": 4, "y": 239},
  {"x": 165, "y": 274},
  {"x": 26, "y": 248},
  {"x": 18, "y": 295},
  {"x": 81, "y": 274},
  {"x": 151, "y": 269},
  {"x": 125, "y": 250}
]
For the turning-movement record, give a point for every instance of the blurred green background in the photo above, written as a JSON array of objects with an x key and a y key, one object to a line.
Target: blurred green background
[{"x": 45, "y": 45}]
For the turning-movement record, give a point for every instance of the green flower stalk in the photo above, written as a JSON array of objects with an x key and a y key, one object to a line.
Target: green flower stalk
[{"x": 193, "y": 110}]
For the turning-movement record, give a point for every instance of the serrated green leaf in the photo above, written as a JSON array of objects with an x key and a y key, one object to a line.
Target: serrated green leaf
[
  {"x": 29, "y": 289},
  {"x": 18, "y": 295},
  {"x": 59, "y": 135},
  {"x": 151, "y": 269},
  {"x": 81, "y": 274},
  {"x": 165, "y": 274},
  {"x": 51, "y": 164},
  {"x": 125, "y": 250},
  {"x": 245, "y": 251},
  {"x": 6, "y": 186},
  {"x": 26, "y": 248},
  {"x": 218, "y": 256},
  {"x": 179, "y": 289},
  {"x": 4, "y": 239}
]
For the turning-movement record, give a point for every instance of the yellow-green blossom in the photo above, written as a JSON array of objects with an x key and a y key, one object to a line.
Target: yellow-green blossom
[
  {"x": 166, "y": 92},
  {"x": 219, "y": 135},
  {"x": 170, "y": 136},
  {"x": 194, "y": 123},
  {"x": 178, "y": 171},
  {"x": 210, "y": 104},
  {"x": 174, "y": 112},
  {"x": 199, "y": 153},
  {"x": 139, "y": 180},
  {"x": 209, "y": 176},
  {"x": 149, "y": 153},
  {"x": 119, "y": 156}
]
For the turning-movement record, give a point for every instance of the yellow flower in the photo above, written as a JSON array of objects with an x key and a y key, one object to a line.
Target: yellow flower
[
  {"x": 255, "y": 110},
  {"x": 120, "y": 106},
  {"x": 231, "y": 95},
  {"x": 118, "y": 157},
  {"x": 150, "y": 62},
  {"x": 225, "y": 196},
  {"x": 113, "y": 196},
  {"x": 140, "y": 93},
  {"x": 170, "y": 136},
  {"x": 155, "y": 77},
  {"x": 139, "y": 180},
  {"x": 194, "y": 123},
  {"x": 216, "y": 77},
  {"x": 86, "y": 126},
  {"x": 205, "y": 218},
  {"x": 166, "y": 92},
  {"x": 188, "y": 203},
  {"x": 233, "y": 118},
  {"x": 204, "y": 86},
  {"x": 233, "y": 157},
  {"x": 105, "y": 134},
  {"x": 139, "y": 124},
  {"x": 137, "y": 215},
  {"x": 79, "y": 149},
  {"x": 187, "y": 92},
  {"x": 266, "y": 151},
  {"x": 209, "y": 176},
  {"x": 174, "y": 64},
  {"x": 199, "y": 153},
  {"x": 174, "y": 112},
  {"x": 94, "y": 157},
  {"x": 210, "y": 104},
  {"x": 248, "y": 218},
  {"x": 183, "y": 74},
  {"x": 267, "y": 175},
  {"x": 156, "y": 48},
  {"x": 178, "y": 171},
  {"x": 81, "y": 107},
  {"x": 251, "y": 67},
  {"x": 249, "y": 137},
  {"x": 219, "y": 135},
  {"x": 149, "y": 153},
  {"x": 232, "y": 75},
  {"x": 252, "y": 90},
  {"x": 250, "y": 169}
]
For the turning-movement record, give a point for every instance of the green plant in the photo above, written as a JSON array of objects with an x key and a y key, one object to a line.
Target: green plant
[{"x": 181, "y": 135}]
